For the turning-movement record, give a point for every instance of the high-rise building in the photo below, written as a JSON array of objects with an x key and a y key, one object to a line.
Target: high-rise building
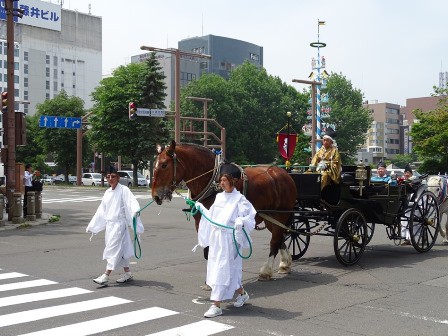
[
  {"x": 226, "y": 54},
  {"x": 383, "y": 138},
  {"x": 55, "y": 49}
]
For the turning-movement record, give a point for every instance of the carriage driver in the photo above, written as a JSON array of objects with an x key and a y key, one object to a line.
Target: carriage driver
[{"x": 328, "y": 161}]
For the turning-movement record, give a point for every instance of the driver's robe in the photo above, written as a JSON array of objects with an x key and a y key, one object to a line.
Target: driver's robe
[
  {"x": 224, "y": 265},
  {"x": 115, "y": 215}
]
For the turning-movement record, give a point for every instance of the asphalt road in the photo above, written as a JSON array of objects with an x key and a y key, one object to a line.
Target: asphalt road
[{"x": 393, "y": 290}]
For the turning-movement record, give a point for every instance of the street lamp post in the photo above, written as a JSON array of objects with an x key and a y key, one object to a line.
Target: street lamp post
[
  {"x": 177, "y": 53},
  {"x": 204, "y": 101}
]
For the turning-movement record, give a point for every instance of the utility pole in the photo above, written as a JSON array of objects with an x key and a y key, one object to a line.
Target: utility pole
[{"x": 10, "y": 113}]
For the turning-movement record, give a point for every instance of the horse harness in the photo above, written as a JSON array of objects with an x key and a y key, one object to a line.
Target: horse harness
[{"x": 212, "y": 186}]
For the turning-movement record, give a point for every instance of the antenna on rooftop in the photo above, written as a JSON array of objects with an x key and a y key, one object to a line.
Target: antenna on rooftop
[{"x": 90, "y": 8}]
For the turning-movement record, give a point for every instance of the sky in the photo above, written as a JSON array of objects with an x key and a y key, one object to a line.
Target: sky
[{"x": 391, "y": 50}]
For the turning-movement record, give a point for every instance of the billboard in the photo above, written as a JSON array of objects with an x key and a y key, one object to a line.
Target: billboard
[{"x": 36, "y": 13}]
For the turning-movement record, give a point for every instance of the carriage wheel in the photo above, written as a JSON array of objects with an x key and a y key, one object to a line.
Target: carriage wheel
[
  {"x": 370, "y": 231},
  {"x": 297, "y": 243},
  {"x": 424, "y": 222},
  {"x": 350, "y": 237}
]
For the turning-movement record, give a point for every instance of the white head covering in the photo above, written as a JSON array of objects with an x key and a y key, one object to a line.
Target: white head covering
[{"x": 328, "y": 137}]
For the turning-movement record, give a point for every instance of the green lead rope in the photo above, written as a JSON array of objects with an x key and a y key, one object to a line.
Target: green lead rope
[
  {"x": 194, "y": 211},
  {"x": 136, "y": 240}
]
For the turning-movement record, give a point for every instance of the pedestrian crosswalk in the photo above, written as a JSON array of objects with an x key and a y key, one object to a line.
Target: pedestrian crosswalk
[{"x": 19, "y": 311}]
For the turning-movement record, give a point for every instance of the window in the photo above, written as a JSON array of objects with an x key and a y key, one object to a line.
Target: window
[
  {"x": 47, "y": 72},
  {"x": 55, "y": 86},
  {"x": 16, "y": 79},
  {"x": 47, "y": 59},
  {"x": 55, "y": 61},
  {"x": 16, "y": 94},
  {"x": 25, "y": 82},
  {"x": 47, "y": 85},
  {"x": 25, "y": 95},
  {"x": 16, "y": 65},
  {"x": 47, "y": 96},
  {"x": 55, "y": 73},
  {"x": 16, "y": 52},
  {"x": 25, "y": 69},
  {"x": 25, "y": 56}
]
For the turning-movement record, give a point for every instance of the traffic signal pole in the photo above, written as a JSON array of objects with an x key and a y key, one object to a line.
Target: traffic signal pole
[{"x": 10, "y": 120}]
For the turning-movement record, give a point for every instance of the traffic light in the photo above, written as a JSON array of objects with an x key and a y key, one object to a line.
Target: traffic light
[
  {"x": 132, "y": 111},
  {"x": 4, "y": 101}
]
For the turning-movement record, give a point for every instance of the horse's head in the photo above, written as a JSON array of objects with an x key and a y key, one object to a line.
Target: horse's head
[
  {"x": 167, "y": 173},
  {"x": 437, "y": 185}
]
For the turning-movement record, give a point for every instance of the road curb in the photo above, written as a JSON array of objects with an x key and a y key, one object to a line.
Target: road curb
[{"x": 8, "y": 225}]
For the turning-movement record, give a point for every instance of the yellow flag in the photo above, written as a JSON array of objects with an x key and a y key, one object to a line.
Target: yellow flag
[{"x": 321, "y": 23}]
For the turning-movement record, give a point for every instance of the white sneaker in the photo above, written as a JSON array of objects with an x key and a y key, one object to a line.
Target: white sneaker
[
  {"x": 125, "y": 278},
  {"x": 241, "y": 300},
  {"x": 213, "y": 311},
  {"x": 102, "y": 279}
]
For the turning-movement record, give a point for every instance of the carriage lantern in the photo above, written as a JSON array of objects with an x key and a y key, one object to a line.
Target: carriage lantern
[{"x": 361, "y": 176}]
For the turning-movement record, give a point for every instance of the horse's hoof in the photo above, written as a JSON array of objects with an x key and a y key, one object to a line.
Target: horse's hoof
[
  {"x": 264, "y": 277},
  {"x": 284, "y": 270}
]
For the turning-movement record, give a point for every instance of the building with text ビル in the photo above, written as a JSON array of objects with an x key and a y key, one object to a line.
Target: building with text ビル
[{"x": 55, "y": 49}]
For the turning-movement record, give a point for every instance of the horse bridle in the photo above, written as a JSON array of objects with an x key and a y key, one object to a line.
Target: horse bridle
[{"x": 204, "y": 191}]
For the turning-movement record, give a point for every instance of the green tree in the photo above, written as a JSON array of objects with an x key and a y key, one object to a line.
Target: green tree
[
  {"x": 401, "y": 160},
  {"x": 252, "y": 106},
  {"x": 430, "y": 134},
  {"x": 351, "y": 119},
  {"x": 112, "y": 131},
  {"x": 32, "y": 152},
  {"x": 60, "y": 142}
]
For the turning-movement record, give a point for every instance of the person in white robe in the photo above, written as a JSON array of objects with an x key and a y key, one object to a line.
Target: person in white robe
[
  {"x": 224, "y": 265},
  {"x": 115, "y": 215}
]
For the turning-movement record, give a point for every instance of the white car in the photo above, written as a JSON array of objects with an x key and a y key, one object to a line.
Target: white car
[
  {"x": 127, "y": 179},
  {"x": 48, "y": 180},
  {"x": 92, "y": 179}
]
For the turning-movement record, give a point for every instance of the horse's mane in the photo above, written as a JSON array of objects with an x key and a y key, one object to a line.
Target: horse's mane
[{"x": 201, "y": 148}]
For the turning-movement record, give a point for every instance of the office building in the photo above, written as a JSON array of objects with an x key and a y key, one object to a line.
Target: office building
[
  {"x": 226, "y": 54},
  {"x": 383, "y": 138},
  {"x": 55, "y": 49}
]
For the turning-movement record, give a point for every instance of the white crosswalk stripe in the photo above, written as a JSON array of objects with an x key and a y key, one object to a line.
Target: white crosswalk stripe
[
  {"x": 201, "y": 328},
  {"x": 89, "y": 327}
]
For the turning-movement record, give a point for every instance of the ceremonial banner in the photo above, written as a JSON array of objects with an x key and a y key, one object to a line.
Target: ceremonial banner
[{"x": 286, "y": 145}]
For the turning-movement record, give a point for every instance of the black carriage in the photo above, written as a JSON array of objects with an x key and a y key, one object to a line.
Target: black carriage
[{"x": 349, "y": 211}]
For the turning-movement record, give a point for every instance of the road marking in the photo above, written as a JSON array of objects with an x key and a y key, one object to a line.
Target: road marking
[
  {"x": 106, "y": 323},
  {"x": 201, "y": 328},
  {"x": 11, "y": 275},
  {"x": 65, "y": 309},
  {"x": 26, "y": 284},
  {"x": 40, "y": 296},
  {"x": 406, "y": 314}
]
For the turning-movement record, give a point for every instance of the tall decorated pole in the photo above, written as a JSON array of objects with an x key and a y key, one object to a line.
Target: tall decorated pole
[{"x": 317, "y": 65}]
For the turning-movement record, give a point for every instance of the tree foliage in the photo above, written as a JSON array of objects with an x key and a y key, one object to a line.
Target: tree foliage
[
  {"x": 430, "y": 134},
  {"x": 351, "y": 119},
  {"x": 252, "y": 106},
  {"x": 59, "y": 142},
  {"x": 112, "y": 131}
]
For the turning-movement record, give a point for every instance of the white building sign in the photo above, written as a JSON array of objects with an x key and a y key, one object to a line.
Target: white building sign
[{"x": 36, "y": 13}]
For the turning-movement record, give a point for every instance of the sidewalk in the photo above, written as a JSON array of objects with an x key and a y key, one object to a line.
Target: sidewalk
[{"x": 8, "y": 225}]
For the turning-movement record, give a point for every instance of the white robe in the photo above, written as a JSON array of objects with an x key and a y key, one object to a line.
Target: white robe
[
  {"x": 225, "y": 266},
  {"x": 114, "y": 215}
]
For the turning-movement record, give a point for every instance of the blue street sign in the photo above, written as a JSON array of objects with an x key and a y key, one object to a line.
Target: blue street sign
[{"x": 60, "y": 122}]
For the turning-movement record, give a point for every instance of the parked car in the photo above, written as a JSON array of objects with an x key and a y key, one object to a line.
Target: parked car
[
  {"x": 92, "y": 179},
  {"x": 48, "y": 180},
  {"x": 72, "y": 179},
  {"x": 127, "y": 179}
]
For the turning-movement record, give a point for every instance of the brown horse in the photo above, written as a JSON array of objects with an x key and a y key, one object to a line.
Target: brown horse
[{"x": 268, "y": 188}]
